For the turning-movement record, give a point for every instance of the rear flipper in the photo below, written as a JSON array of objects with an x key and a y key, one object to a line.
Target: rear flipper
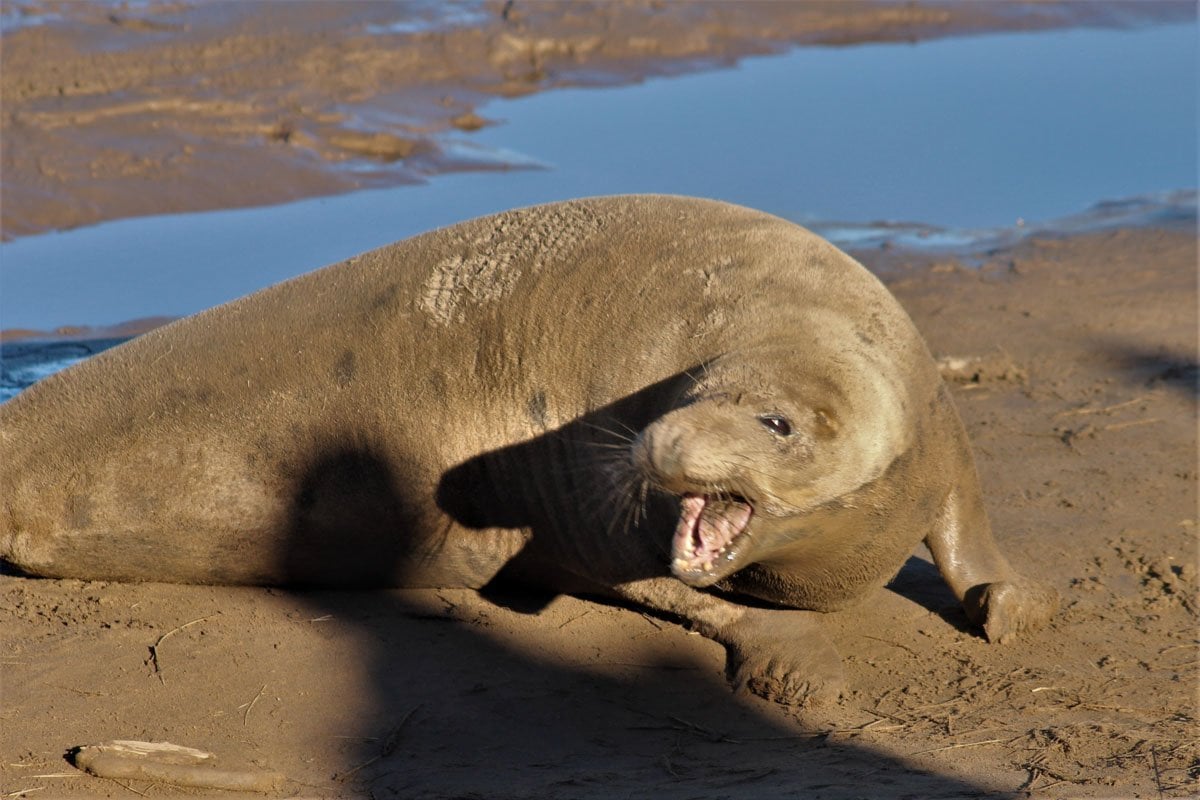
[{"x": 994, "y": 596}]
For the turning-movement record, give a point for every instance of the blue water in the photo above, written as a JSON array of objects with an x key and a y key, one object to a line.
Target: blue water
[
  {"x": 964, "y": 132},
  {"x": 960, "y": 134}
]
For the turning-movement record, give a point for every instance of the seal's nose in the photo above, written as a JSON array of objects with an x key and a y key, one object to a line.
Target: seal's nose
[
  {"x": 668, "y": 452},
  {"x": 679, "y": 454},
  {"x": 642, "y": 452},
  {"x": 658, "y": 453}
]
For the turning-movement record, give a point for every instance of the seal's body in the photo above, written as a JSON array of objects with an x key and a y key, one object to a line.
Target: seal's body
[{"x": 644, "y": 395}]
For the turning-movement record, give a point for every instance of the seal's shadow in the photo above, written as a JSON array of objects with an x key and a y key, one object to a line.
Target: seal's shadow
[
  {"x": 346, "y": 518},
  {"x": 571, "y": 487},
  {"x": 458, "y": 710},
  {"x": 353, "y": 501},
  {"x": 455, "y": 711},
  {"x": 920, "y": 582}
]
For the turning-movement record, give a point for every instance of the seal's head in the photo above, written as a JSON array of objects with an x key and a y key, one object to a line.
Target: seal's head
[{"x": 743, "y": 465}]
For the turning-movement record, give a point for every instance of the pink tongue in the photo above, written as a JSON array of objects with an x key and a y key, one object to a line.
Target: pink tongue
[{"x": 703, "y": 532}]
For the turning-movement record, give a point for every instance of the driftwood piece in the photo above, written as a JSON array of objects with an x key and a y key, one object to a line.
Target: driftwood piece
[{"x": 164, "y": 762}]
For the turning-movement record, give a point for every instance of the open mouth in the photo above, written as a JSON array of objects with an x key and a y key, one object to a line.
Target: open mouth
[{"x": 711, "y": 532}]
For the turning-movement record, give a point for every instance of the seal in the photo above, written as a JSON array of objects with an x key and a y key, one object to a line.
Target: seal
[{"x": 677, "y": 402}]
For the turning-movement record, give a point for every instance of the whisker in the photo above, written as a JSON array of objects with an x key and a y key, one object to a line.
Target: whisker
[
  {"x": 604, "y": 445},
  {"x": 644, "y": 499},
  {"x": 625, "y": 506},
  {"x": 749, "y": 467},
  {"x": 628, "y": 435}
]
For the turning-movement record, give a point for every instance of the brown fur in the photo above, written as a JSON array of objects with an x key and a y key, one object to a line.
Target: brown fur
[{"x": 489, "y": 397}]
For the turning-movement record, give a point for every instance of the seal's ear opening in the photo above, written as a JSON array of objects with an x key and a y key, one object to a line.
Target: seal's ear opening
[{"x": 827, "y": 424}]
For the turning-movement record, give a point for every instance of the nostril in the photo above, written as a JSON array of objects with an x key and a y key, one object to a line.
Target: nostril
[
  {"x": 666, "y": 455},
  {"x": 657, "y": 454},
  {"x": 640, "y": 450}
]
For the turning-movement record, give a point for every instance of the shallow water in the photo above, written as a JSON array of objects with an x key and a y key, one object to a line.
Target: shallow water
[{"x": 963, "y": 135}]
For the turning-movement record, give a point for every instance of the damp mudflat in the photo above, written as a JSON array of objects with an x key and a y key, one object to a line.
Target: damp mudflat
[{"x": 944, "y": 142}]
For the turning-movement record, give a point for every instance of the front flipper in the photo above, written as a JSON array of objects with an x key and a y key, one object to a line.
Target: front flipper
[
  {"x": 1006, "y": 609},
  {"x": 781, "y": 655},
  {"x": 994, "y": 596}
]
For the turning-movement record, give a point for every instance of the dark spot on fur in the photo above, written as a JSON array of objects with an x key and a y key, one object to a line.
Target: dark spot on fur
[
  {"x": 126, "y": 425},
  {"x": 538, "y": 410},
  {"x": 386, "y": 299},
  {"x": 176, "y": 399},
  {"x": 929, "y": 504},
  {"x": 79, "y": 512},
  {"x": 343, "y": 370}
]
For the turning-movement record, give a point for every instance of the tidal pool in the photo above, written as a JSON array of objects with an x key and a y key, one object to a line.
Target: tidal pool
[{"x": 957, "y": 137}]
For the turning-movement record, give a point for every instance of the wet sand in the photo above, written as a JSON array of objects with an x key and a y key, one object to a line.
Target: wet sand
[
  {"x": 116, "y": 111},
  {"x": 1074, "y": 364}
]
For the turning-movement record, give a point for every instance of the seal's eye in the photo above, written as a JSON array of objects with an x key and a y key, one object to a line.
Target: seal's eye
[{"x": 776, "y": 424}]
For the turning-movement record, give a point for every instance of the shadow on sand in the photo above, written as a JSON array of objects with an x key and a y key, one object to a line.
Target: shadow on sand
[
  {"x": 460, "y": 710},
  {"x": 460, "y": 714},
  {"x": 1152, "y": 368}
]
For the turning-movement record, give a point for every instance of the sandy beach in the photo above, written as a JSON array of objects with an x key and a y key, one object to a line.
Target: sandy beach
[{"x": 1073, "y": 360}]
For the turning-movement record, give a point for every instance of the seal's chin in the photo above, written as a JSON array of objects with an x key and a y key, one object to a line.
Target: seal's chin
[{"x": 711, "y": 535}]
